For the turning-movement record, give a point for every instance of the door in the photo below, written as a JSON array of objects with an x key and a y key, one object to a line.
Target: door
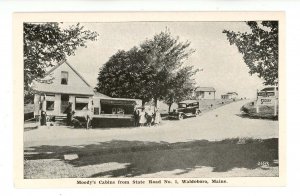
[{"x": 64, "y": 103}]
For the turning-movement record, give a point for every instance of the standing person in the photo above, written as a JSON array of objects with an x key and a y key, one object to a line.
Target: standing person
[
  {"x": 149, "y": 117},
  {"x": 157, "y": 117},
  {"x": 69, "y": 114},
  {"x": 142, "y": 117},
  {"x": 43, "y": 118},
  {"x": 88, "y": 118},
  {"x": 136, "y": 116}
]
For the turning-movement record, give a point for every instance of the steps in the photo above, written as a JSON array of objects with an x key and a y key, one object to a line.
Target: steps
[{"x": 60, "y": 120}]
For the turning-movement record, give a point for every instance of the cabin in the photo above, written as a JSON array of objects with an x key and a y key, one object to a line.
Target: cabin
[
  {"x": 205, "y": 93},
  {"x": 230, "y": 95},
  {"x": 64, "y": 89}
]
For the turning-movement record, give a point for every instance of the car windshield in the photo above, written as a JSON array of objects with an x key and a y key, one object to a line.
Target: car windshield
[
  {"x": 182, "y": 105},
  {"x": 195, "y": 104}
]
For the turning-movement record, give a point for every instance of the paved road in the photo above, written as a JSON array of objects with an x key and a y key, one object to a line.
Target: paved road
[{"x": 218, "y": 124}]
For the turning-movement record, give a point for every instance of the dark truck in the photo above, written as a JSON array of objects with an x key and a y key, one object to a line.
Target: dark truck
[{"x": 185, "y": 109}]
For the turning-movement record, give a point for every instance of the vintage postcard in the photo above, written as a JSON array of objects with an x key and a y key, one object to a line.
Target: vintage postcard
[{"x": 139, "y": 99}]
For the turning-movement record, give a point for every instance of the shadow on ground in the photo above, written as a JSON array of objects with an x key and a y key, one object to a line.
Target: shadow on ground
[
  {"x": 268, "y": 117},
  {"x": 152, "y": 157}
]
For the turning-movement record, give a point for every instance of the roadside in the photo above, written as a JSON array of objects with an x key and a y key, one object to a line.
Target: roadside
[
  {"x": 218, "y": 124},
  {"x": 204, "y": 106},
  {"x": 151, "y": 159},
  {"x": 198, "y": 146},
  {"x": 265, "y": 112}
]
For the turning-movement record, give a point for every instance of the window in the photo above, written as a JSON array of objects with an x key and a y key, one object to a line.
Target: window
[
  {"x": 182, "y": 105},
  {"x": 202, "y": 94},
  {"x": 81, "y": 103},
  {"x": 81, "y": 106},
  {"x": 49, "y": 105},
  {"x": 64, "y": 77},
  {"x": 96, "y": 111},
  {"x": 195, "y": 104},
  {"x": 50, "y": 102}
]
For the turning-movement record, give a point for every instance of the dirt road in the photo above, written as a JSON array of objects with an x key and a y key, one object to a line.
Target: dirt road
[
  {"x": 192, "y": 147},
  {"x": 218, "y": 124}
]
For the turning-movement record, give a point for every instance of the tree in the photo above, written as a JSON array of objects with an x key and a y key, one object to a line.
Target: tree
[
  {"x": 126, "y": 75},
  {"x": 145, "y": 72},
  {"x": 46, "y": 44},
  {"x": 165, "y": 55},
  {"x": 259, "y": 49},
  {"x": 182, "y": 86}
]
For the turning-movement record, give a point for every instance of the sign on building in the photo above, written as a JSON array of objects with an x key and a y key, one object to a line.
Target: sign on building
[
  {"x": 267, "y": 98},
  {"x": 270, "y": 101}
]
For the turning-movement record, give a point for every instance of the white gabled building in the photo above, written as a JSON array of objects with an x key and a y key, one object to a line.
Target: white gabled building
[
  {"x": 61, "y": 86},
  {"x": 63, "y": 90},
  {"x": 205, "y": 93},
  {"x": 230, "y": 95}
]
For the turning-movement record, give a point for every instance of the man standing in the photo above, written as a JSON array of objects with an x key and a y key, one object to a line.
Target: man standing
[
  {"x": 136, "y": 116},
  {"x": 43, "y": 118},
  {"x": 69, "y": 114}
]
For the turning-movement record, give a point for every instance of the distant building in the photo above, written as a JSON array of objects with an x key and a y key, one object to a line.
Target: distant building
[
  {"x": 230, "y": 95},
  {"x": 205, "y": 93}
]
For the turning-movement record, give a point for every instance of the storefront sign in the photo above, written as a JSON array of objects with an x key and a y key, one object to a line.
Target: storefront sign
[{"x": 266, "y": 101}]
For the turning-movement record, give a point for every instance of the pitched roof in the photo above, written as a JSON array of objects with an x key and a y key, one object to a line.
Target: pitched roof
[
  {"x": 117, "y": 101},
  {"x": 66, "y": 89},
  {"x": 230, "y": 93},
  {"x": 65, "y": 61},
  {"x": 100, "y": 95},
  {"x": 272, "y": 88},
  {"x": 205, "y": 89}
]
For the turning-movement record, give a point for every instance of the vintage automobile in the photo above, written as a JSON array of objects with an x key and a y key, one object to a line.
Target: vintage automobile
[{"x": 185, "y": 109}]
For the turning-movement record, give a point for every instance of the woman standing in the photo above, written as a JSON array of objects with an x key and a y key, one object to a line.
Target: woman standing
[
  {"x": 157, "y": 117},
  {"x": 142, "y": 117}
]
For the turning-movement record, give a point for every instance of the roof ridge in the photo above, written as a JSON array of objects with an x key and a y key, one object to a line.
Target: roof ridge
[
  {"x": 65, "y": 61},
  {"x": 206, "y": 88},
  {"x": 77, "y": 72},
  {"x": 55, "y": 67}
]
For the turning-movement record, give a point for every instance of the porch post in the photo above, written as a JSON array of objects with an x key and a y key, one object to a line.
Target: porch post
[{"x": 44, "y": 103}]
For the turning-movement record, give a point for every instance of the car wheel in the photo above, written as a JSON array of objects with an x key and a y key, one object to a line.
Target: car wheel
[{"x": 198, "y": 112}]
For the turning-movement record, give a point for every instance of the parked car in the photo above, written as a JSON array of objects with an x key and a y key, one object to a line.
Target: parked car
[{"x": 185, "y": 109}]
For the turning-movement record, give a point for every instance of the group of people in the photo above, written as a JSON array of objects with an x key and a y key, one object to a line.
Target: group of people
[
  {"x": 146, "y": 118},
  {"x": 142, "y": 117}
]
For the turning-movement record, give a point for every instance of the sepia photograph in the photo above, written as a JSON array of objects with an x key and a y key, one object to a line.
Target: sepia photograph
[{"x": 114, "y": 101}]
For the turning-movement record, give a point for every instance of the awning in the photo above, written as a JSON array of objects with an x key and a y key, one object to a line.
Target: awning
[
  {"x": 117, "y": 102},
  {"x": 50, "y": 98},
  {"x": 82, "y": 100}
]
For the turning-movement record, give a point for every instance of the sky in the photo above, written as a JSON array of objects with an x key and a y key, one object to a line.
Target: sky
[{"x": 223, "y": 66}]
